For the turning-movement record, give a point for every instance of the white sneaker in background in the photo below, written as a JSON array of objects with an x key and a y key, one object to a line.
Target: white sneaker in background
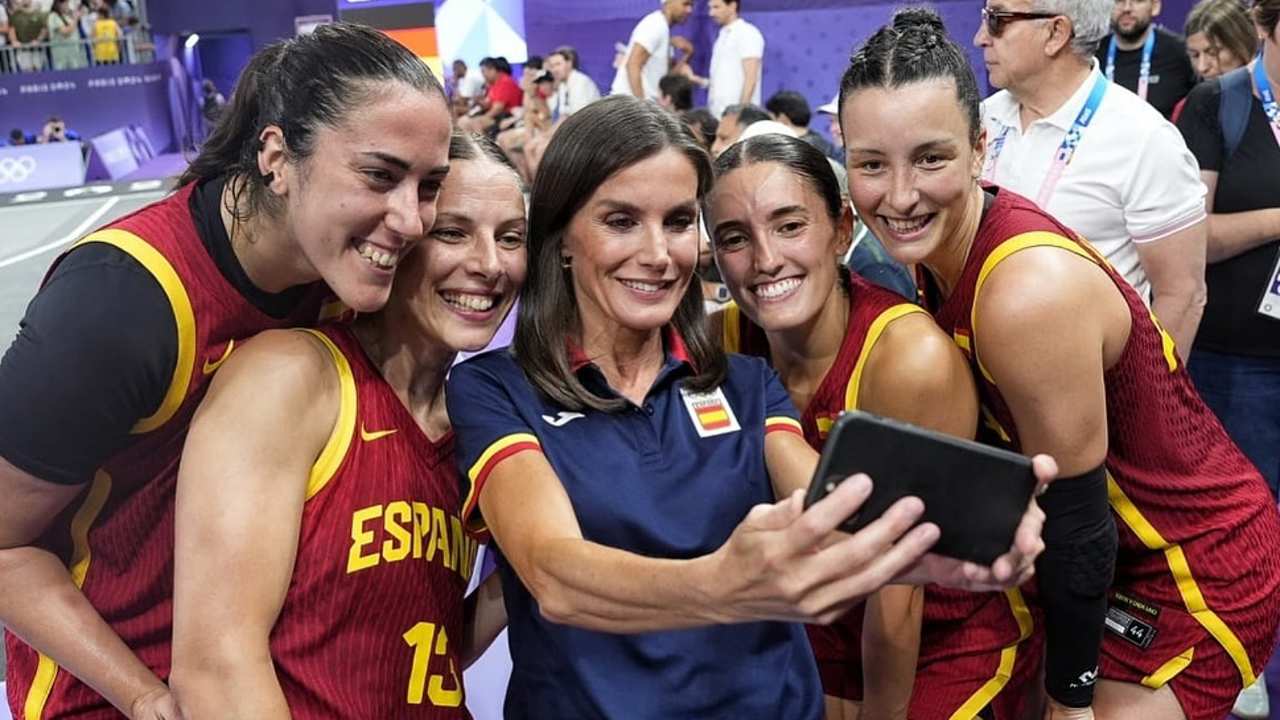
[{"x": 1253, "y": 703}]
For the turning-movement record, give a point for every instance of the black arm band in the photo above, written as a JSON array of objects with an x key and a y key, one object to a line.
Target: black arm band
[{"x": 1074, "y": 573}]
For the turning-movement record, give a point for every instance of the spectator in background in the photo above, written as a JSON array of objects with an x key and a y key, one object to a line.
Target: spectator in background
[
  {"x": 735, "y": 119},
  {"x": 64, "y": 37},
  {"x": 1236, "y": 360},
  {"x": 574, "y": 88},
  {"x": 27, "y": 27},
  {"x": 54, "y": 131},
  {"x": 1126, "y": 180},
  {"x": 106, "y": 38},
  {"x": 837, "y": 136},
  {"x": 211, "y": 102},
  {"x": 468, "y": 88},
  {"x": 675, "y": 93},
  {"x": 702, "y": 124},
  {"x": 1220, "y": 37},
  {"x": 503, "y": 96},
  {"x": 736, "y": 59},
  {"x": 17, "y": 137},
  {"x": 791, "y": 109},
  {"x": 648, "y": 51},
  {"x": 1146, "y": 58},
  {"x": 4, "y": 39}
]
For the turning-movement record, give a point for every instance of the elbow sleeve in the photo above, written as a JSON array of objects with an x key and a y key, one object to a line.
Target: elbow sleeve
[{"x": 1074, "y": 574}]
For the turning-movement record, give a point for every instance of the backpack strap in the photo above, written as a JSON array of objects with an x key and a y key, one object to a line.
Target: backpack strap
[{"x": 1234, "y": 105}]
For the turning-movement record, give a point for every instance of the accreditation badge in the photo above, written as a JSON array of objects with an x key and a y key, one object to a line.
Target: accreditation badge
[
  {"x": 710, "y": 413},
  {"x": 1270, "y": 305}
]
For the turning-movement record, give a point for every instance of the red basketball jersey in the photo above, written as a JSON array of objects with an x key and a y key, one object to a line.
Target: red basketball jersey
[
  {"x": 1198, "y": 527},
  {"x": 117, "y": 537},
  {"x": 955, "y": 623},
  {"x": 371, "y": 623}
]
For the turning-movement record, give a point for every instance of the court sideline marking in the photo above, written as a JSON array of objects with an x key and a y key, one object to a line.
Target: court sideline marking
[{"x": 66, "y": 239}]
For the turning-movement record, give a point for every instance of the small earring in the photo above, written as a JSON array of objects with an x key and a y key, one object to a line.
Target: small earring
[{"x": 566, "y": 262}]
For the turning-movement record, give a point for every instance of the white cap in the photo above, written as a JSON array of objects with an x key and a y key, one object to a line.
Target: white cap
[
  {"x": 765, "y": 127},
  {"x": 831, "y": 108}
]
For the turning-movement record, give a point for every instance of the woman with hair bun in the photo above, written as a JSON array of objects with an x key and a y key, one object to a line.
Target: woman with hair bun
[
  {"x": 1161, "y": 573},
  {"x": 320, "y": 176}
]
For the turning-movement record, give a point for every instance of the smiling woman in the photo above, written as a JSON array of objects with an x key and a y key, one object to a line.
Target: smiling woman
[
  {"x": 1069, "y": 360},
  {"x": 321, "y": 174},
  {"x": 268, "y": 523}
]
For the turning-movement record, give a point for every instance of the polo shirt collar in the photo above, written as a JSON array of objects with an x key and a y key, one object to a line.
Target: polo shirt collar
[
  {"x": 1066, "y": 115},
  {"x": 676, "y": 352}
]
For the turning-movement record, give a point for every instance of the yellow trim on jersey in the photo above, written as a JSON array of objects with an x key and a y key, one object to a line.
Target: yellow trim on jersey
[
  {"x": 1038, "y": 238},
  {"x": 1008, "y": 657},
  {"x": 1167, "y": 346},
  {"x": 824, "y": 425},
  {"x": 81, "y": 555},
  {"x": 1192, "y": 598},
  {"x": 730, "y": 332},
  {"x": 782, "y": 422},
  {"x": 1169, "y": 670},
  {"x": 499, "y": 445},
  {"x": 339, "y": 442},
  {"x": 183, "y": 316},
  {"x": 873, "y": 334}
]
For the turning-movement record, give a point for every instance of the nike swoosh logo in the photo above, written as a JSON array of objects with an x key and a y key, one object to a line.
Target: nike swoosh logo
[
  {"x": 562, "y": 418},
  {"x": 211, "y": 366},
  {"x": 367, "y": 436}
]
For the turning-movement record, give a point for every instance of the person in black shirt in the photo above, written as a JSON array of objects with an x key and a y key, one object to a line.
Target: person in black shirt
[
  {"x": 1170, "y": 75},
  {"x": 322, "y": 176},
  {"x": 1235, "y": 361}
]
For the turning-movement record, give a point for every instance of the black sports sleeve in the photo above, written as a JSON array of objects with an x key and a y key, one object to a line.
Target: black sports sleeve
[{"x": 94, "y": 353}]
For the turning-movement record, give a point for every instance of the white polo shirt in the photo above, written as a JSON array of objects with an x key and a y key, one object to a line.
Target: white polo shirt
[
  {"x": 737, "y": 41},
  {"x": 1132, "y": 179},
  {"x": 576, "y": 92},
  {"x": 653, "y": 34},
  {"x": 471, "y": 85}
]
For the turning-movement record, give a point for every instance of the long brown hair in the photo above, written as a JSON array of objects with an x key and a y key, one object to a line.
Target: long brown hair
[{"x": 595, "y": 143}]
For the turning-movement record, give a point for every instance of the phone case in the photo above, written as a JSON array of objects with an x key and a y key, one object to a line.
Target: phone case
[{"x": 974, "y": 493}]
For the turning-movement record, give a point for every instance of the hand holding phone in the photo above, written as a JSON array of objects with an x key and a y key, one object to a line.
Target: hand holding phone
[{"x": 974, "y": 493}]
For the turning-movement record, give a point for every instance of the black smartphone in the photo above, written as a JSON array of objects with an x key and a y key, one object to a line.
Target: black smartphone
[{"x": 975, "y": 493}]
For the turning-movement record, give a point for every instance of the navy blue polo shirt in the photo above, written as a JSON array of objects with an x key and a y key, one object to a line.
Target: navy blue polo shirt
[{"x": 671, "y": 478}]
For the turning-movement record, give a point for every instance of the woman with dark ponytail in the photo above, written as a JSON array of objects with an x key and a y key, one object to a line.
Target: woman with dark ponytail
[
  {"x": 320, "y": 176},
  {"x": 1166, "y": 608}
]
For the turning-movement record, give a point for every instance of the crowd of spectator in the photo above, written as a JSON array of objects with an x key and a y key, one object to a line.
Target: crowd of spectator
[{"x": 42, "y": 35}]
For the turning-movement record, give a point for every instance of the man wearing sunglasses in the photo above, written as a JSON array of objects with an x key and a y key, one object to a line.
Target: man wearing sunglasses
[
  {"x": 1092, "y": 154},
  {"x": 1146, "y": 58}
]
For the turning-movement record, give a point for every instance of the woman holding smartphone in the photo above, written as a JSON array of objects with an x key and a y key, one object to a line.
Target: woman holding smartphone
[
  {"x": 628, "y": 469},
  {"x": 779, "y": 227},
  {"x": 1068, "y": 360}
]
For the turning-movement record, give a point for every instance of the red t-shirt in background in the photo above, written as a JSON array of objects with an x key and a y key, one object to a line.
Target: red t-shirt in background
[{"x": 506, "y": 91}]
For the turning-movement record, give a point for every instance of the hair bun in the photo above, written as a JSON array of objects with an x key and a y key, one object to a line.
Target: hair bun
[{"x": 918, "y": 18}]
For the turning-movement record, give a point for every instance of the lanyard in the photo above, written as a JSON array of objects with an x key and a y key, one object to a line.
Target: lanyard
[
  {"x": 1066, "y": 151},
  {"x": 1269, "y": 104},
  {"x": 1144, "y": 70}
]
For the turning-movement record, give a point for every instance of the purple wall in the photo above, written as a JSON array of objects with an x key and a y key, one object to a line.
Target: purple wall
[
  {"x": 264, "y": 21},
  {"x": 91, "y": 101}
]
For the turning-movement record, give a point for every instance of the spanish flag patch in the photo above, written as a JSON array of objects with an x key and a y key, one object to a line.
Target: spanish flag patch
[{"x": 710, "y": 413}]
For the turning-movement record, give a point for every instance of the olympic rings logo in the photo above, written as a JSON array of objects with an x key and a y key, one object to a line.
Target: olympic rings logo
[{"x": 15, "y": 170}]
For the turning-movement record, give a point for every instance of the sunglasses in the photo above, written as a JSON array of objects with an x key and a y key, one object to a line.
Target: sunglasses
[{"x": 996, "y": 20}]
